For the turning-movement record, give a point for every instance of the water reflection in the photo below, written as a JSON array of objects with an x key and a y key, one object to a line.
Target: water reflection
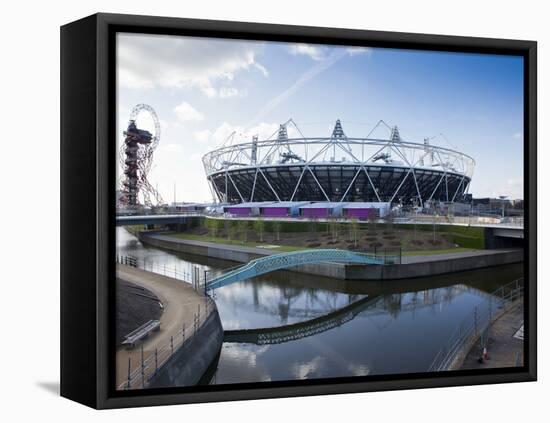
[{"x": 315, "y": 327}]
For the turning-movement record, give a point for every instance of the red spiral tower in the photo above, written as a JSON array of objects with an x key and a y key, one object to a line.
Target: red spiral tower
[{"x": 136, "y": 159}]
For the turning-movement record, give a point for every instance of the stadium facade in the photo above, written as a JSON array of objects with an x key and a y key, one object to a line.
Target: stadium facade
[{"x": 338, "y": 169}]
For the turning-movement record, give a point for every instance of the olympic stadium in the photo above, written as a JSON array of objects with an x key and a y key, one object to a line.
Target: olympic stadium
[{"x": 338, "y": 168}]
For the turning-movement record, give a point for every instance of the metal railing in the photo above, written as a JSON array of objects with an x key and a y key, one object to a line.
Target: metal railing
[
  {"x": 476, "y": 325},
  {"x": 151, "y": 361},
  {"x": 471, "y": 220},
  {"x": 193, "y": 277}
]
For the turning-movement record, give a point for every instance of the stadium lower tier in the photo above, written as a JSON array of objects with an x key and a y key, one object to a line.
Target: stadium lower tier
[{"x": 338, "y": 183}]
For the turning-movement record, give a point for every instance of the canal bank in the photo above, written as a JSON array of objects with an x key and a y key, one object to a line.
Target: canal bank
[
  {"x": 504, "y": 343},
  {"x": 410, "y": 267},
  {"x": 190, "y": 333}
]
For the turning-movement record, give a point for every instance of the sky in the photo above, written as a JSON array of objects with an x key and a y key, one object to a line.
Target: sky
[{"x": 203, "y": 89}]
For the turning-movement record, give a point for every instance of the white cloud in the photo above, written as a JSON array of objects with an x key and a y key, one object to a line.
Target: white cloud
[
  {"x": 261, "y": 68},
  {"x": 518, "y": 136},
  {"x": 227, "y": 92},
  {"x": 208, "y": 90},
  {"x": 202, "y": 136},
  {"x": 149, "y": 61},
  {"x": 358, "y": 369},
  {"x": 186, "y": 113},
  {"x": 263, "y": 130},
  {"x": 171, "y": 148},
  {"x": 314, "y": 52},
  {"x": 319, "y": 53},
  {"x": 355, "y": 51},
  {"x": 308, "y": 369}
]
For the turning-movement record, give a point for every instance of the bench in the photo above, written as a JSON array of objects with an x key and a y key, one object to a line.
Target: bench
[{"x": 140, "y": 333}]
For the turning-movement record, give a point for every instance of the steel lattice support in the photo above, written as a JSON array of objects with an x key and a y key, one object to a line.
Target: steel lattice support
[{"x": 337, "y": 168}]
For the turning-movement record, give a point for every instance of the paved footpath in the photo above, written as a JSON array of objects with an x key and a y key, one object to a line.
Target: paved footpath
[
  {"x": 180, "y": 304},
  {"x": 505, "y": 346},
  {"x": 450, "y": 256}
]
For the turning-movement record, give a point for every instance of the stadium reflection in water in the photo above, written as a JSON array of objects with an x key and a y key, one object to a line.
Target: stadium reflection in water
[{"x": 287, "y": 326}]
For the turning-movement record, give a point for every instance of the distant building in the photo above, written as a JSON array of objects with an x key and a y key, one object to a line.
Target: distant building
[
  {"x": 187, "y": 207},
  {"x": 245, "y": 209},
  {"x": 282, "y": 209},
  {"x": 366, "y": 211},
  {"x": 321, "y": 210}
]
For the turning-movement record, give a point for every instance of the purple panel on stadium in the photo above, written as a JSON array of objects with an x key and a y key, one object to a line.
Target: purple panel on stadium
[
  {"x": 274, "y": 211},
  {"x": 361, "y": 214},
  {"x": 310, "y": 212},
  {"x": 240, "y": 211}
]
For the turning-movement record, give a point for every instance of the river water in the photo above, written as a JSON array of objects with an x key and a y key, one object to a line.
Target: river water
[{"x": 387, "y": 327}]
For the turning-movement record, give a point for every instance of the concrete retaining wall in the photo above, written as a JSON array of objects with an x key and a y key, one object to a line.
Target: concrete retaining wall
[
  {"x": 434, "y": 267},
  {"x": 431, "y": 266},
  {"x": 189, "y": 363}
]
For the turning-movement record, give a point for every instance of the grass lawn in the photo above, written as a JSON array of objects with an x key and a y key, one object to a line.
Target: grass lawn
[
  {"x": 288, "y": 248},
  {"x": 218, "y": 240}
]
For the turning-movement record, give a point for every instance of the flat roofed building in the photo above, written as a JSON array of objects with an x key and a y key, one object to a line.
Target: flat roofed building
[
  {"x": 322, "y": 210},
  {"x": 366, "y": 210},
  {"x": 282, "y": 209},
  {"x": 245, "y": 209}
]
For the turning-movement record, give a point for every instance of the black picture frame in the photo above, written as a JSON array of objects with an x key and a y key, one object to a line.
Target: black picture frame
[{"x": 87, "y": 208}]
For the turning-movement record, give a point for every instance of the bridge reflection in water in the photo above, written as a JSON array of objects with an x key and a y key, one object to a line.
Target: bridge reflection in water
[
  {"x": 295, "y": 331},
  {"x": 374, "y": 305}
]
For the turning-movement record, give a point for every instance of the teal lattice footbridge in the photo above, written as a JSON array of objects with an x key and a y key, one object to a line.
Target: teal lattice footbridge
[{"x": 274, "y": 262}]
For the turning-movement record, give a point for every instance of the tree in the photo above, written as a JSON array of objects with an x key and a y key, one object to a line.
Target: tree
[
  {"x": 415, "y": 218},
  {"x": 259, "y": 227},
  {"x": 333, "y": 227},
  {"x": 354, "y": 229},
  {"x": 389, "y": 222},
  {"x": 277, "y": 228},
  {"x": 312, "y": 225},
  {"x": 372, "y": 223},
  {"x": 228, "y": 227},
  {"x": 242, "y": 228},
  {"x": 213, "y": 226}
]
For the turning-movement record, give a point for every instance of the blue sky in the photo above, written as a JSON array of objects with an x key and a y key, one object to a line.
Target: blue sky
[{"x": 204, "y": 89}]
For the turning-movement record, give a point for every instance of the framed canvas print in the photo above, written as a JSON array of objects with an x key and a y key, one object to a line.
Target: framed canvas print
[{"x": 256, "y": 211}]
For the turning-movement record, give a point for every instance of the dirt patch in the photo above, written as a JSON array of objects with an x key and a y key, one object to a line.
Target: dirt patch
[
  {"x": 367, "y": 237},
  {"x": 135, "y": 306}
]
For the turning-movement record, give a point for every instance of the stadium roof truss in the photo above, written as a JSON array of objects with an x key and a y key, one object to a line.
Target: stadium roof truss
[{"x": 337, "y": 168}]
